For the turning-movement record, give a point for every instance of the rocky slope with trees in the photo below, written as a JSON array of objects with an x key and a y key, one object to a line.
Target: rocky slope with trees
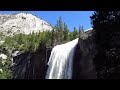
[{"x": 20, "y": 48}]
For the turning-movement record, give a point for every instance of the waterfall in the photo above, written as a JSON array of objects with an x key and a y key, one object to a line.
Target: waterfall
[{"x": 61, "y": 61}]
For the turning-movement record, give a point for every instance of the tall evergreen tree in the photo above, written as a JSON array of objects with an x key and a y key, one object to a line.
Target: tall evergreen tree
[
  {"x": 56, "y": 33},
  {"x": 65, "y": 32},
  {"x": 104, "y": 21},
  {"x": 52, "y": 37},
  {"x": 107, "y": 33},
  {"x": 75, "y": 33},
  {"x": 70, "y": 36},
  {"x": 20, "y": 39},
  {"x": 32, "y": 43},
  {"x": 81, "y": 30},
  {"x": 60, "y": 29}
]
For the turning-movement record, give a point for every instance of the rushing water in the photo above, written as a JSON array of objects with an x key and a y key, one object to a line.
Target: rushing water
[{"x": 61, "y": 61}]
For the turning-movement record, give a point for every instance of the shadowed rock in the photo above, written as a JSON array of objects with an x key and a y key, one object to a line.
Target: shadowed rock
[
  {"x": 83, "y": 59},
  {"x": 31, "y": 65}
]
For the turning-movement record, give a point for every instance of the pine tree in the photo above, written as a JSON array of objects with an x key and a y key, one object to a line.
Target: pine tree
[
  {"x": 75, "y": 33},
  {"x": 65, "y": 32},
  {"x": 56, "y": 33},
  {"x": 9, "y": 42},
  {"x": 25, "y": 43},
  {"x": 104, "y": 21},
  {"x": 60, "y": 30},
  {"x": 32, "y": 42},
  {"x": 106, "y": 25},
  {"x": 20, "y": 39},
  {"x": 81, "y": 30},
  {"x": 70, "y": 36},
  {"x": 47, "y": 36},
  {"x": 52, "y": 38}
]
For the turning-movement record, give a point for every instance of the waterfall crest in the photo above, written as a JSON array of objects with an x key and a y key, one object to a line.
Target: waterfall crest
[{"x": 61, "y": 61}]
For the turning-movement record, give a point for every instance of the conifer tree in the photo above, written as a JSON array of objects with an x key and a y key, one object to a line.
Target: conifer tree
[
  {"x": 106, "y": 25},
  {"x": 81, "y": 30},
  {"x": 56, "y": 33},
  {"x": 65, "y": 32},
  {"x": 32, "y": 43},
  {"x": 70, "y": 36},
  {"x": 52, "y": 38},
  {"x": 75, "y": 33},
  {"x": 60, "y": 29}
]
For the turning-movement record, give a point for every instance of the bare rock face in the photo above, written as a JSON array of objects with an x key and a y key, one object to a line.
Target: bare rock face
[
  {"x": 22, "y": 23},
  {"x": 83, "y": 65},
  {"x": 31, "y": 65}
]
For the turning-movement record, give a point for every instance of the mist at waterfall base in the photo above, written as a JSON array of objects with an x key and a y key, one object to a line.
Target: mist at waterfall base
[{"x": 60, "y": 63}]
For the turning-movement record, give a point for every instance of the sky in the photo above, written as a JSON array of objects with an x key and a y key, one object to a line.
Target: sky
[{"x": 71, "y": 18}]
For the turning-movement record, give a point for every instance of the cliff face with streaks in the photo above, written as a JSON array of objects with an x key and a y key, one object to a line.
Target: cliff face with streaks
[{"x": 31, "y": 65}]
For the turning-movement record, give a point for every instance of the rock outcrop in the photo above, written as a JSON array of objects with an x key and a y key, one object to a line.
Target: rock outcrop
[
  {"x": 31, "y": 65},
  {"x": 83, "y": 64},
  {"x": 22, "y": 23}
]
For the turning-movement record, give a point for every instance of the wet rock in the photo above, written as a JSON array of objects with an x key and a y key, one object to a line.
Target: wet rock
[
  {"x": 31, "y": 65},
  {"x": 83, "y": 64}
]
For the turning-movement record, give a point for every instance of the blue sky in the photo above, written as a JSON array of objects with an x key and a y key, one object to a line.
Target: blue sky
[{"x": 71, "y": 18}]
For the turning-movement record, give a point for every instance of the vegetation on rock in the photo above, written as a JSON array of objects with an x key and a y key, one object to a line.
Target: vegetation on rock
[{"x": 32, "y": 42}]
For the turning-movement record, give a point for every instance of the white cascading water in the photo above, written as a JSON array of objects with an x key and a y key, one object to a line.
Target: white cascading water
[{"x": 61, "y": 60}]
